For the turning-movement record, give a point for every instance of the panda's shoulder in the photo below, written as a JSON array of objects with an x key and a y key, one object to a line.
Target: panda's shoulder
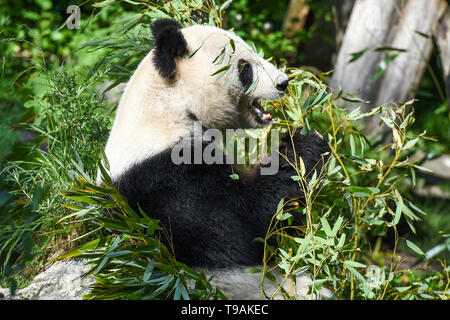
[{"x": 160, "y": 170}]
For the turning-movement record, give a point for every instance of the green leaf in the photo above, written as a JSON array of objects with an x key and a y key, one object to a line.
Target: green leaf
[
  {"x": 354, "y": 99},
  {"x": 371, "y": 221},
  {"x": 292, "y": 115},
  {"x": 356, "y": 274},
  {"x": 219, "y": 58},
  {"x": 162, "y": 288},
  {"x": 359, "y": 54},
  {"x": 354, "y": 264},
  {"x": 415, "y": 248},
  {"x": 438, "y": 249},
  {"x": 148, "y": 270},
  {"x": 423, "y": 169},
  {"x": 410, "y": 144},
  {"x": 105, "y": 260},
  {"x": 412, "y": 205},
  {"x": 225, "y": 5},
  {"x": 399, "y": 209},
  {"x": 390, "y": 49},
  {"x": 374, "y": 190},
  {"x": 197, "y": 4},
  {"x": 352, "y": 145},
  {"x": 341, "y": 240},
  {"x": 252, "y": 270},
  {"x": 413, "y": 176},
  {"x": 234, "y": 176},
  {"x": 318, "y": 97},
  {"x": 402, "y": 289},
  {"x": 280, "y": 206},
  {"x": 195, "y": 51},
  {"x": 252, "y": 86},
  {"x": 383, "y": 66},
  {"x": 223, "y": 69},
  {"x": 313, "y": 179},
  {"x": 103, "y": 3},
  {"x": 76, "y": 214},
  {"x": 334, "y": 170},
  {"x": 336, "y": 226},
  {"x": 302, "y": 167},
  {"x": 177, "y": 294},
  {"x": 359, "y": 191},
  {"x": 233, "y": 45},
  {"x": 284, "y": 216},
  {"x": 184, "y": 293},
  {"x": 79, "y": 251},
  {"x": 326, "y": 227}
]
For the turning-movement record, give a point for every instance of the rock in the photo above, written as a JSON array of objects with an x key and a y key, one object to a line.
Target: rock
[
  {"x": 431, "y": 192},
  {"x": 440, "y": 166},
  {"x": 237, "y": 285},
  {"x": 61, "y": 281},
  {"x": 441, "y": 174}
]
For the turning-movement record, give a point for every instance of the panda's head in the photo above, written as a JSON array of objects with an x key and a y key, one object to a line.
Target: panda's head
[
  {"x": 196, "y": 73},
  {"x": 225, "y": 77}
]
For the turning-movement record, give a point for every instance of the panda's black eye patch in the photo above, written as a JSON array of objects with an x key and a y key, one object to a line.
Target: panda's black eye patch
[{"x": 245, "y": 73}]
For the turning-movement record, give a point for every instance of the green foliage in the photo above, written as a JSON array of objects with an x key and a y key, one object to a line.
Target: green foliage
[
  {"x": 34, "y": 99},
  {"x": 433, "y": 108},
  {"x": 357, "y": 196},
  {"x": 70, "y": 132},
  {"x": 261, "y": 23},
  {"x": 357, "y": 201},
  {"x": 134, "y": 265}
]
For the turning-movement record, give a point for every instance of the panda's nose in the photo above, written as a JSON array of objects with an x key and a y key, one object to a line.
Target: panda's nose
[{"x": 283, "y": 85}]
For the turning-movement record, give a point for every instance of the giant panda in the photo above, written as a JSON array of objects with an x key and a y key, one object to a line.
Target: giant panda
[{"x": 213, "y": 219}]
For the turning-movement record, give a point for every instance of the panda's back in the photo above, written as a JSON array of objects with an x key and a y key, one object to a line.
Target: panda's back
[{"x": 209, "y": 216}]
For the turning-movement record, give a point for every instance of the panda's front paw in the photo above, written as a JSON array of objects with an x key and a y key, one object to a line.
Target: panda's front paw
[{"x": 312, "y": 148}]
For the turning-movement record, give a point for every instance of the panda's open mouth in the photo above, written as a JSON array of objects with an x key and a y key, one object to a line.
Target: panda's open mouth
[{"x": 258, "y": 111}]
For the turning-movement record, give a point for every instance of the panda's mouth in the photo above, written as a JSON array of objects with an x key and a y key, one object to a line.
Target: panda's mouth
[{"x": 258, "y": 111}]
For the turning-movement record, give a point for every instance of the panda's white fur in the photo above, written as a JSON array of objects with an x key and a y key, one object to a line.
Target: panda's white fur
[
  {"x": 151, "y": 118},
  {"x": 142, "y": 126}
]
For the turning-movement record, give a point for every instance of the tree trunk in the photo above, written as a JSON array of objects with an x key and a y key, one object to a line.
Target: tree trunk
[
  {"x": 401, "y": 24},
  {"x": 443, "y": 42}
]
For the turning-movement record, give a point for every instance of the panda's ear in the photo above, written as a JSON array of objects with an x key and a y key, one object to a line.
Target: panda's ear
[{"x": 169, "y": 44}]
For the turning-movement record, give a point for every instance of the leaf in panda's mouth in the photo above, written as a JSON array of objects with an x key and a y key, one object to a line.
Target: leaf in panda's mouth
[{"x": 260, "y": 114}]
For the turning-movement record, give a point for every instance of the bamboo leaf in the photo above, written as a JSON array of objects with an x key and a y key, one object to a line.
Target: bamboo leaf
[
  {"x": 252, "y": 86},
  {"x": 302, "y": 167},
  {"x": 354, "y": 264},
  {"x": 336, "y": 226},
  {"x": 79, "y": 251},
  {"x": 225, "y": 5},
  {"x": 359, "y": 191},
  {"x": 410, "y": 144},
  {"x": 223, "y": 69},
  {"x": 359, "y": 54},
  {"x": 352, "y": 145},
  {"x": 415, "y": 248},
  {"x": 326, "y": 227},
  {"x": 399, "y": 209},
  {"x": 148, "y": 270}
]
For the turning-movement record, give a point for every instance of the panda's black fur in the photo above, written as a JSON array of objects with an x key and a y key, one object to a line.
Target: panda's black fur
[
  {"x": 213, "y": 220},
  {"x": 169, "y": 44},
  {"x": 245, "y": 73}
]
